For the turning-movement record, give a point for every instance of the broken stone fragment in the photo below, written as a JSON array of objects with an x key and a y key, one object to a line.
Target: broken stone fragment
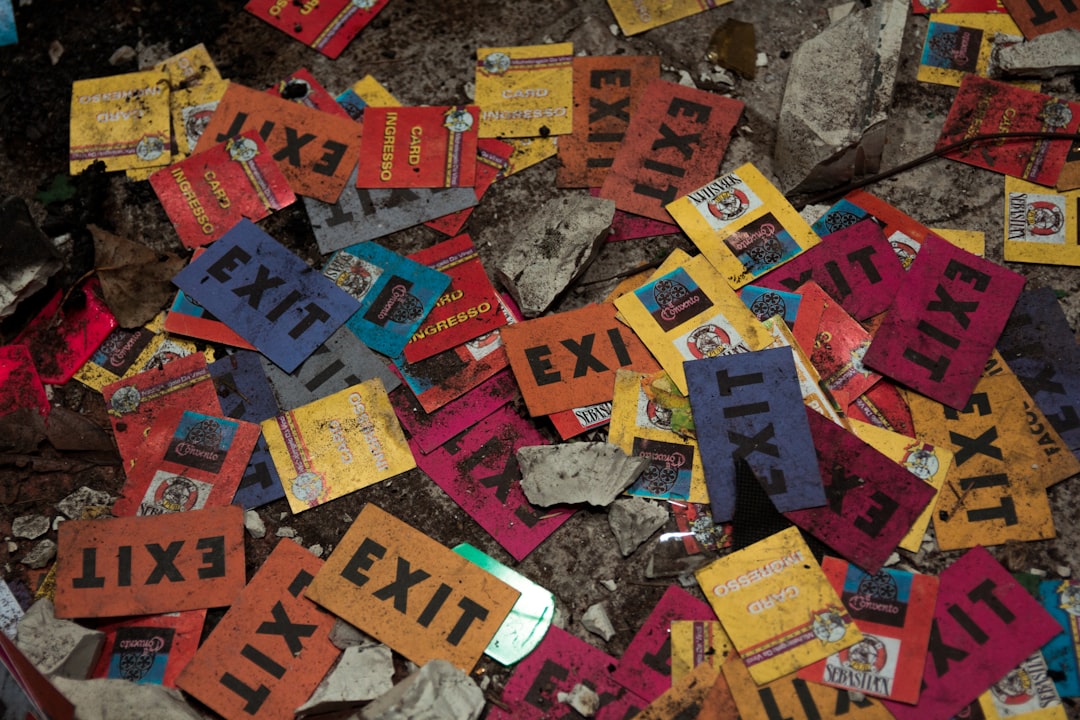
[
  {"x": 839, "y": 90},
  {"x": 552, "y": 247},
  {"x": 30, "y": 527},
  {"x": 73, "y": 505},
  {"x": 596, "y": 621},
  {"x": 58, "y": 648},
  {"x": 361, "y": 674},
  {"x": 29, "y": 258},
  {"x": 592, "y": 472},
  {"x": 634, "y": 520},
  {"x": 1043, "y": 57},
  {"x": 583, "y": 699},
  {"x": 344, "y": 636},
  {"x": 112, "y": 699},
  {"x": 254, "y": 524},
  {"x": 437, "y": 691},
  {"x": 40, "y": 555}
]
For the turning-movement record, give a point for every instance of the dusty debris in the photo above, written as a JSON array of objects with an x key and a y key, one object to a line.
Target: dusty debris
[
  {"x": 610, "y": 585},
  {"x": 104, "y": 699},
  {"x": 58, "y": 648},
  {"x": 554, "y": 246},
  {"x": 123, "y": 54},
  {"x": 29, "y": 258},
  {"x": 40, "y": 555},
  {"x": 437, "y": 691},
  {"x": 254, "y": 524},
  {"x": 584, "y": 700},
  {"x": 362, "y": 674},
  {"x": 590, "y": 472},
  {"x": 30, "y": 527},
  {"x": 634, "y": 520},
  {"x": 1044, "y": 57},
  {"x": 596, "y": 621},
  {"x": 836, "y": 102}
]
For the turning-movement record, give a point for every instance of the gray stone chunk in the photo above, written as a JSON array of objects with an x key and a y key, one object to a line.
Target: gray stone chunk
[
  {"x": 837, "y": 98},
  {"x": 111, "y": 699},
  {"x": 438, "y": 691},
  {"x": 344, "y": 636},
  {"x": 596, "y": 621},
  {"x": 40, "y": 555},
  {"x": 634, "y": 520},
  {"x": 583, "y": 699},
  {"x": 73, "y": 505},
  {"x": 254, "y": 524},
  {"x": 592, "y": 472},
  {"x": 362, "y": 674},
  {"x": 1043, "y": 57},
  {"x": 58, "y": 648},
  {"x": 30, "y": 527},
  {"x": 551, "y": 248}
]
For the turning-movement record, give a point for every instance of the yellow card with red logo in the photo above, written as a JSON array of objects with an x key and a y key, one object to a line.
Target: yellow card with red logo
[
  {"x": 637, "y": 16},
  {"x": 337, "y": 444},
  {"x": 525, "y": 91},
  {"x": 1040, "y": 224},
  {"x": 422, "y": 147},
  {"x": 777, "y": 606},
  {"x": 122, "y": 120}
]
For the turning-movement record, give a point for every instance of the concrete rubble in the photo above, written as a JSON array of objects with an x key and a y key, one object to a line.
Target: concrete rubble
[
  {"x": 77, "y": 502},
  {"x": 30, "y": 527},
  {"x": 597, "y": 621},
  {"x": 582, "y": 699},
  {"x": 344, "y": 636},
  {"x": 437, "y": 691},
  {"x": 588, "y": 472},
  {"x": 837, "y": 98},
  {"x": 40, "y": 555},
  {"x": 633, "y": 521},
  {"x": 1043, "y": 57},
  {"x": 254, "y": 524},
  {"x": 361, "y": 674},
  {"x": 103, "y": 699},
  {"x": 58, "y": 648},
  {"x": 554, "y": 245}
]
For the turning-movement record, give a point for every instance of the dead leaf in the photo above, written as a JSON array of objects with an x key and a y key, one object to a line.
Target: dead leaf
[{"x": 135, "y": 280}]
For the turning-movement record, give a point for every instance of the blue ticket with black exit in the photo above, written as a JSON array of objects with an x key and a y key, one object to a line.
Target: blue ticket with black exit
[
  {"x": 266, "y": 294},
  {"x": 394, "y": 292}
]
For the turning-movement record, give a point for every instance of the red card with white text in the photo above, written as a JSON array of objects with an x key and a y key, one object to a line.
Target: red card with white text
[{"x": 423, "y": 147}]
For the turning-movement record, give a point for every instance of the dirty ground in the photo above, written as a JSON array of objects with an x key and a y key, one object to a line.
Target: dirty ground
[{"x": 424, "y": 53}]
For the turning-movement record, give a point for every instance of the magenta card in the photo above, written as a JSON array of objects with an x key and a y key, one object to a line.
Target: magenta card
[
  {"x": 430, "y": 430},
  {"x": 873, "y": 501},
  {"x": 479, "y": 470},
  {"x": 985, "y": 624},
  {"x": 941, "y": 329},
  {"x": 628, "y": 226},
  {"x": 645, "y": 667},
  {"x": 856, "y": 266},
  {"x": 20, "y": 384},
  {"x": 560, "y": 662}
]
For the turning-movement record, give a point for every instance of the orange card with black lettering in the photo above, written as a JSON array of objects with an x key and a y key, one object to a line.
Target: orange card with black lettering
[
  {"x": 1039, "y": 17},
  {"x": 315, "y": 150},
  {"x": 412, "y": 593},
  {"x": 272, "y": 648},
  {"x": 606, "y": 91},
  {"x": 147, "y": 566},
  {"x": 207, "y": 193},
  {"x": 569, "y": 359},
  {"x": 421, "y": 147}
]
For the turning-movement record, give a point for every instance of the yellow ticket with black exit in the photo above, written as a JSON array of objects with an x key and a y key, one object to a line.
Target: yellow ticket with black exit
[
  {"x": 1040, "y": 224},
  {"x": 121, "y": 120},
  {"x": 337, "y": 444},
  {"x": 525, "y": 91},
  {"x": 743, "y": 225}
]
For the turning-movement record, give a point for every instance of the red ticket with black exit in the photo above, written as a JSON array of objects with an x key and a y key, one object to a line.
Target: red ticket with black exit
[{"x": 419, "y": 147}]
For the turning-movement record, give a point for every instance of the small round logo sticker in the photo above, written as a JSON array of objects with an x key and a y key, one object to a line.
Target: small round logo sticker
[
  {"x": 496, "y": 63},
  {"x": 242, "y": 149},
  {"x": 150, "y": 148},
  {"x": 458, "y": 120}
]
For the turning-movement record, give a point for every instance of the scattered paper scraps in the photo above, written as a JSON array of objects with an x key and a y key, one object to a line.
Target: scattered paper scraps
[
  {"x": 395, "y": 294},
  {"x": 428, "y": 431},
  {"x": 929, "y": 463},
  {"x": 743, "y": 225},
  {"x": 939, "y": 333},
  {"x": 134, "y": 403},
  {"x": 688, "y": 314},
  {"x": 492, "y": 163},
  {"x": 268, "y": 295},
  {"x": 684, "y": 698},
  {"x": 190, "y": 68},
  {"x": 529, "y": 151},
  {"x": 1061, "y": 598},
  {"x": 479, "y": 470},
  {"x": 525, "y": 91},
  {"x": 959, "y": 43},
  {"x": 188, "y": 461},
  {"x": 146, "y": 566},
  {"x": 883, "y": 406},
  {"x": 576, "y": 421},
  {"x": 186, "y": 317},
  {"x": 641, "y": 426},
  {"x": 697, "y": 642},
  {"x": 894, "y": 609},
  {"x": 425, "y": 146},
  {"x": 985, "y": 624},
  {"x": 122, "y": 121},
  {"x": 606, "y": 91},
  {"x": 813, "y": 391},
  {"x": 983, "y": 106},
  {"x": 790, "y": 615},
  {"x": 749, "y": 406},
  {"x": 627, "y": 226},
  {"x": 765, "y": 302},
  {"x": 337, "y": 445},
  {"x": 206, "y": 194},
  {"x": 327, "y": 26},
  {"x": 697, "y": 529},
  {"x": 673, "y": 145},
  {"x": 973, "y": 241},
  {"x": 152, "y": 649},
  {"x": 20, "y": 383},
  {"x": 645, "y": 665},
  {"x": 1040, "y": 224},
  {"x": 559, "y": 663},
  {"x": 315, "y": 150},
  {"x": 575, "y": 354},
  {"x": 467, "y": 309},
  {"x": 1026, "y": 691},
  {"x": 926, "y": 7},
  {"x": 637, "y": 16},
  {"x": 362, "y": 583},
  {"x": 872, "y": 501},
  {"x": 1038, "y": 17},
  {"x": 24, "y": 691},
  {"x": 856, "y": 267},
  {"x": 191, "y": 109},
  {"x": 135, "y": 279},
  {"x": 126, "y": 352},
  {"x": 367, "y": 91},
  {"x": 271, "y": 649},
  {"x": 302, "y": 87}
]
